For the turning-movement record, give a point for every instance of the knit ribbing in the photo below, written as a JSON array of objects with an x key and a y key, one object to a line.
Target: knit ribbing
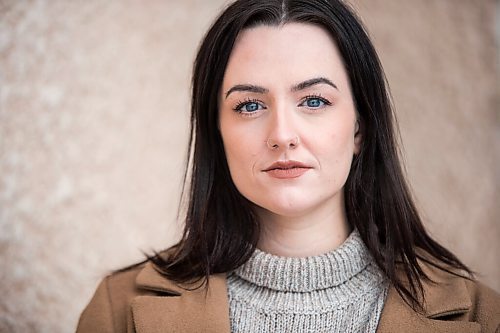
[{"x": 339, "y": 291}]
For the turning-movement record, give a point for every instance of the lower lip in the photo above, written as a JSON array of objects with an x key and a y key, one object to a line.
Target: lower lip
[{"x": 287, "y": 173}]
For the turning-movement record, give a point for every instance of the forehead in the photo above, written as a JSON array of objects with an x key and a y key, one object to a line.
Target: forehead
[{"x": 291, "y": 52}]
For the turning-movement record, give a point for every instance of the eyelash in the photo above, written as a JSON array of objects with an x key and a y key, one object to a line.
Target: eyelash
[
  {"x": 314, "y": 96},
  {"x": 241, "y": 104}
]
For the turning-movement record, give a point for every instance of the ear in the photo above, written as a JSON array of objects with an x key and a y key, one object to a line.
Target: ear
[{"x": 358, "y": 136}]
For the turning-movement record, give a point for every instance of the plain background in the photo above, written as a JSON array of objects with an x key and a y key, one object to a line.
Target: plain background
[{"x": 94, "y": 102}]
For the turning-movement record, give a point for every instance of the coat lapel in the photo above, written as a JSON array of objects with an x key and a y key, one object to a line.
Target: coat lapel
[
  {"x": 174, "y": 309},
  {"x": 447, "y": 298}
]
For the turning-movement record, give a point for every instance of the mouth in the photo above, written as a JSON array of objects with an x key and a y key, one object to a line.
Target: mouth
[{"x": 287, "y": 169}]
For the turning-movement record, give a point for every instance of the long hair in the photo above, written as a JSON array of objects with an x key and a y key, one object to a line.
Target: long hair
[{"x": 221, "y": 230}]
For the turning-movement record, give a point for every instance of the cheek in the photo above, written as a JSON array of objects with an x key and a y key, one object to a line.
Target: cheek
[
  {"x": 335, "y": 140},
  {"x": 335, "y": 150},
  {"x": 241, "y": 148}
]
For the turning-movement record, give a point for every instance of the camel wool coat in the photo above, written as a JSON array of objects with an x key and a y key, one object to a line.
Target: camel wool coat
[{"x": 141, "y": 300}]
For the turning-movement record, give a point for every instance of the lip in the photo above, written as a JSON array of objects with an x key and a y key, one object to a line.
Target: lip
[{"x": 286, "y": 169}]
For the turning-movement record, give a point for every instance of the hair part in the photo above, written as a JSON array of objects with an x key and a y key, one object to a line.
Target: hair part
[{"x": 221, "y": 230}]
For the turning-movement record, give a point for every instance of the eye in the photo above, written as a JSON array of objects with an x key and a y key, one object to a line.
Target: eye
[
  {"x": 249, "y": 106},
  {"x": 314, "y": 102}
]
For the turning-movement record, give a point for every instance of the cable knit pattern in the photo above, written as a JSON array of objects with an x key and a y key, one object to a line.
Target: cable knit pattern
[{"x": 339, "y": 291}]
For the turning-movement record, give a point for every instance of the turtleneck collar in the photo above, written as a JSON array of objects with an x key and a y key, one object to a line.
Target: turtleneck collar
[{"x": 310, "y": 273}]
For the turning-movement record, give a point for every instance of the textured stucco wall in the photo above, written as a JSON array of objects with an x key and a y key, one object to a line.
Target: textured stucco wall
[{"x": 94, "y": 106}]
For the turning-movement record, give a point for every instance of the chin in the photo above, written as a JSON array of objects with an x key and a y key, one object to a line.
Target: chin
[{"x": 295, "y": 208}]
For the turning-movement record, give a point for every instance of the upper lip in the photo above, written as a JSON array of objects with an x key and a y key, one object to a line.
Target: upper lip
[{"x": 286, "y": 165}]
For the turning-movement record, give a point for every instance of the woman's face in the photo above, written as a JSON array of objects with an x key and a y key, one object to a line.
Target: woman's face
[{"x": 287, "y": 119}]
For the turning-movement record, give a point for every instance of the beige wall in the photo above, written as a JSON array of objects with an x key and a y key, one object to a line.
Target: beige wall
[{"x": 93, "y": 116}]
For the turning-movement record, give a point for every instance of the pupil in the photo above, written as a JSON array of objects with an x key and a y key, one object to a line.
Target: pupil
[
  {"x": 314, "y": 103},
  {"x": 252, "y": 107}
]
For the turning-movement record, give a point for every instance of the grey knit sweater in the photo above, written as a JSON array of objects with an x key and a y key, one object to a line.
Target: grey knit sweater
[{"x": 340, "y": 291}]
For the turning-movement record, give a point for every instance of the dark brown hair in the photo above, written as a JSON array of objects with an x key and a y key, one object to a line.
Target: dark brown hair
[{"x": 221, "y": 230}]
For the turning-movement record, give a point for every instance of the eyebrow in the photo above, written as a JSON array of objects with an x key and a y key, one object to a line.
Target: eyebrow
[
  {"x": 311, "y": 82},
  {"x": 299, "y": 86},
  {"x": 247, "y": 87}
]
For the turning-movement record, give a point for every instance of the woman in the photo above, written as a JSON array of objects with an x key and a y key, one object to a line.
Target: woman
[{"x": 299, "y": 218}]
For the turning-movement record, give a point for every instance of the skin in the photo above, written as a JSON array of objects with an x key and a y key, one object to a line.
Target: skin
[{"x": 280, "y": 120}]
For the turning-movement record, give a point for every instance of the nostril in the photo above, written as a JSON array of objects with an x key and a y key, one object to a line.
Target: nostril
[
  {"x": 289, "y": 144},
  {"x": 271, "y": 144},
  {"x": 294, "y": 142}
]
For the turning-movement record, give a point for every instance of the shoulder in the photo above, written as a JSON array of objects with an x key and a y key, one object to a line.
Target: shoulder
[
  {"x": 452, "y": 304},
  {"x": 142, "y": 297},
  {"x": 453, "y": 286},
  {"x": 108, "y": 310},
  {"x": 485, "y": 304}
]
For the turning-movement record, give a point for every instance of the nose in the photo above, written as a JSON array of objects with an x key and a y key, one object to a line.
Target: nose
[
  {"x": 283, "y": 134},
  {"x": 290, "y": 144}
]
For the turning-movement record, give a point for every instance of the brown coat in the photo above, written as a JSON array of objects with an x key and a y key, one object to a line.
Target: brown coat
[{"x": 142, "y": 301}]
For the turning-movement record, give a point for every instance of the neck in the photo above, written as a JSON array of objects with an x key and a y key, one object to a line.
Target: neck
[{"x": 303, "y": 236}]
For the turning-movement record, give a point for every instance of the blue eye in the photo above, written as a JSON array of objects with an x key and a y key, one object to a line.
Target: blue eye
[
  {"x": 315, "y": 102},
  {"x": 249, "y": 106}
]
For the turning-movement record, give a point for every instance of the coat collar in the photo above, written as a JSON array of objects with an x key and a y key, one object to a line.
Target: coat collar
[
  {"x": 179, "y": 309},
  {"x": 445, "y": 298}
]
